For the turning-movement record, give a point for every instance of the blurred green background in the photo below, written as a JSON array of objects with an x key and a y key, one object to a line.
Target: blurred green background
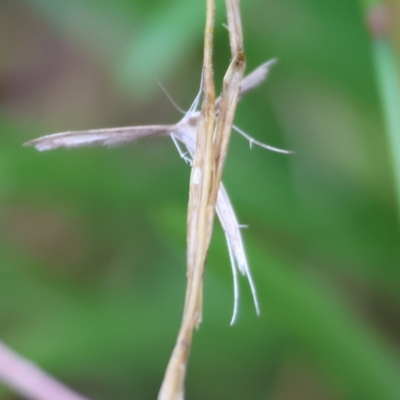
[{"x": 92, "y": 250}]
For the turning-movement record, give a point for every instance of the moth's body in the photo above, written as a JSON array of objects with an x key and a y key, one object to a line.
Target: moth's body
[{"x": 185, "y": 132}]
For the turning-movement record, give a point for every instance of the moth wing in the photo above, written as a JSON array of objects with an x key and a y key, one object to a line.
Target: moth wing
[
  {"x": 98, "y": 137},
  {"x": 256, "y": 77},
  {"x": 252, "y": 80},
  {"x": 237, "y": 253}
]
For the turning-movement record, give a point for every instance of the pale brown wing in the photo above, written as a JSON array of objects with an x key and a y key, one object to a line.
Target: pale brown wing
[
  {"x": 96, "y": 137},
  {"x": 253, "y": 79}
]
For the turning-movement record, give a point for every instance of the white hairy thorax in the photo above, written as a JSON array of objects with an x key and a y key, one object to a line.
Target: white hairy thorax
[{"x": 184, "y": 132}]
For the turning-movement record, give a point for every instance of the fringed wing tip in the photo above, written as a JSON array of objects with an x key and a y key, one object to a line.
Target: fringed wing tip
[
  {"x": 55, "y": 141},
  {"x": 271, "y": 62},
  {"x": 30, "y": 143},
  {"x": 254, "y": 78},
  {"x": 266, "y": 66},
  {"x": 68, "y": 139},
  {"x": 37, "y": 145}
]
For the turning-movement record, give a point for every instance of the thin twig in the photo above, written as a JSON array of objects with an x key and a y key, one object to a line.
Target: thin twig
[
  {"x": 199, "y": 223},
  {"x": 29, "y": 380},
  {"x": 231, "y": 87},
  {"x": 205, "y": 180}
]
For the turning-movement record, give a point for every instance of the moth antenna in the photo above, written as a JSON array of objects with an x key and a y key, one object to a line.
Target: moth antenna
[
  {"x": 261, "y": 144},
  {"x": 184, "y": 154},
  {"x": 196, "y": 101},
  {"x": 170, "y": 98}
]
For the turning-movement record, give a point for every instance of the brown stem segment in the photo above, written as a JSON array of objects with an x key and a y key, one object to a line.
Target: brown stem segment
[
  {"x": 211, "y": 148},
  {"x": 199, "y": 223}
]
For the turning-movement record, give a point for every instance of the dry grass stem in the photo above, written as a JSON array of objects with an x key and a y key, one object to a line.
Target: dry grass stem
[
  {"x": 211, "y": 149},
  {"x": 199, "y": 223}
]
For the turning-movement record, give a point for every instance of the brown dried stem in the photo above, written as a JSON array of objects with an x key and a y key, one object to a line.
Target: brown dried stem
[
  {"x": 199, "y": 223},
  {"x": 204, "y": 184},
  {"x": 231, "y": 87}
]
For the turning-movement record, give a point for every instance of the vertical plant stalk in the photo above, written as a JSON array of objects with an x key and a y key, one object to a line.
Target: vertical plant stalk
[
  {"x": 199, "y": 223},
  {"x": 387, "y": 74},
  {"x": 211, "y": 148},
  {"x": 231, "y": 87}
]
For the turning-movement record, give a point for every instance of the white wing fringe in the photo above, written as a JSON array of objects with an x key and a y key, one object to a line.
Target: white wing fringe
[{"x": 237, "y": 253}]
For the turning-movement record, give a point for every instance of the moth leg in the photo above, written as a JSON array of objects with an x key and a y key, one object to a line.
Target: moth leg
[
  {"x": 184, "y": 154},
  {"x": 261, "y": 144}
]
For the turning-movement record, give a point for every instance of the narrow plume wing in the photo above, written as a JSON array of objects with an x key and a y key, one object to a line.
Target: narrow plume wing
[
  {"x": 253, "y": 79},
  {"x": 98, "y": 137},
  {"x": 237, "y": 253},
  {"x": 256, "y": 77}
]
